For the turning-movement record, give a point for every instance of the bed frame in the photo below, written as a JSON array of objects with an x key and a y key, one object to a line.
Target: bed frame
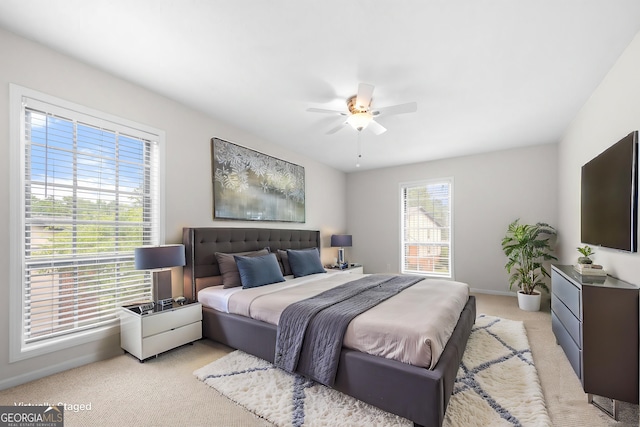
[{"x": 418, "y": 394}]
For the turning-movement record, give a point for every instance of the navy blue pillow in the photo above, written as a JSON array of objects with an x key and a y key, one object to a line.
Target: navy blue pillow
[
  {"x": 284, "y": 259},
  {"x": 305, "y": 262},
  {"x": 259, "y": 270}
]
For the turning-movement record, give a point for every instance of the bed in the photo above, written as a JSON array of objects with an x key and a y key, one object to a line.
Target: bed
[{"x": 416, "y": 393}]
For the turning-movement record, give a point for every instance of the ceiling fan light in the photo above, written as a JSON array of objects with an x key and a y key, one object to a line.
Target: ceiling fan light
[{"x": 360, "y": 121}]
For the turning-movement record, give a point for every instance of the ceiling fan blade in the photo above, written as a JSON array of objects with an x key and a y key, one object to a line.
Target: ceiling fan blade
[
  {"x": 376, "y": 127},
  {"x": 323, "y": 110},
  {"x": 409, "y": 107},
  {"x": 336, "y": 129},
  {"x": 363, "y": 98}
]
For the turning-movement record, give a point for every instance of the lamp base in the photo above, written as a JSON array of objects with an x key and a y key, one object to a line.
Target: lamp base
[
  {"x": 341, "y": 260},
  {"x": 162, "y": 294}
]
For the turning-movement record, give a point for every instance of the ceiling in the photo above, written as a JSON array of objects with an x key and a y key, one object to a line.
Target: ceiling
[{"x": 487, "y": 75}]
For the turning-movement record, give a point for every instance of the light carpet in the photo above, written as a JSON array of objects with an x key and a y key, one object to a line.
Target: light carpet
[{"x": 497, "y": 385}]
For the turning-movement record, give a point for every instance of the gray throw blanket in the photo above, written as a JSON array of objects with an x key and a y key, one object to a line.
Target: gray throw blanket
[{"x": 310, "y": 332}]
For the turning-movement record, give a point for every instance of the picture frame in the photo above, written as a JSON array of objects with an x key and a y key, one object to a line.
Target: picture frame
[{"x": 252, "y": 186}]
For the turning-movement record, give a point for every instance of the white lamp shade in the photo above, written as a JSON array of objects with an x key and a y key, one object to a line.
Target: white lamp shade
[{"x": 360, "y": 121}]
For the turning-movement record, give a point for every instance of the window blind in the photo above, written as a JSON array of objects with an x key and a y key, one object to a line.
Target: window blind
[
  {"x": 426, "y": 228},
  {"x": 91, "y": 195}
]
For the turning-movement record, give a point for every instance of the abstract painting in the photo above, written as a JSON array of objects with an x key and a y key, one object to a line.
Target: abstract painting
[{"x": 252, "y": 186}]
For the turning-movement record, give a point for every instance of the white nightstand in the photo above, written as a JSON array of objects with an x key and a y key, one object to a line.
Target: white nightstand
[
  {"x": 149, "y": 334},
  {"x": 354, "y": 269}
]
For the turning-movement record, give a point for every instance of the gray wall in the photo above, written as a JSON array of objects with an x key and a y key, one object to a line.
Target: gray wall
[
  {"x": 188, "y": 174},
  {"x": 611, "y": 112},
  {"x": 489, "y": 191}
]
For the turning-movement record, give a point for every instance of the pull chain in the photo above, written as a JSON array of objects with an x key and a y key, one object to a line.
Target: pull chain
[{"x": 359, "y": 151}]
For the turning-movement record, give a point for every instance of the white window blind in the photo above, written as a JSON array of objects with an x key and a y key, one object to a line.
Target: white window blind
[
  {"x": 426, "y": 228},
  {"x": 91, "y": 195}
]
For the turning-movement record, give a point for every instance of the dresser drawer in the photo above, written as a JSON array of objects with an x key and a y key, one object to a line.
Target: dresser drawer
[
  {"x": 571, "y": 350},
  {"x": 567, "y": 292},
  {"x": 164, "y": 321},
  {"x": 568, "y": 320}
]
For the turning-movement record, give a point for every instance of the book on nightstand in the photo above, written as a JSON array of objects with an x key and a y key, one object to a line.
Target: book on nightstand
[{"x": 590, "y": 269}]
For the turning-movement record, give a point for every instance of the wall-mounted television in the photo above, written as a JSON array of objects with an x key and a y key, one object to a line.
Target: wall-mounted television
[{"x": 609, "y": 197}]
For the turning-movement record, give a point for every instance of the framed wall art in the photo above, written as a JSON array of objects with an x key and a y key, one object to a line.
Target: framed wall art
[{"x": 252, "y": 186}]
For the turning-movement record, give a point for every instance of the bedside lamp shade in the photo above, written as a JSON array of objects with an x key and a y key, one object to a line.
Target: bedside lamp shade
[
  {"x": 341, "y": 241},
  {"x": 153, "y": 257},
  {"x": 160, "y": 258}
]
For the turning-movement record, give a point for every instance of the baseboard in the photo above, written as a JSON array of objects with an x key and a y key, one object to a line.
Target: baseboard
[
  {"x": 61, "y": 367},
  {"x": 490, "y": 292}
]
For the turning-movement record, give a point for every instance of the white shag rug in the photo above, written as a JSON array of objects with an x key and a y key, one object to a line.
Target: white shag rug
[{"x": 497, "y": 385}]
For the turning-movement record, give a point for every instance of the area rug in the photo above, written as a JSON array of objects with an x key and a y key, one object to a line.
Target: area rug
[{"x": 497, "y": 385}]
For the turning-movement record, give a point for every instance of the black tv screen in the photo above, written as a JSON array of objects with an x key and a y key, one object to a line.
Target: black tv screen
[{"x": 609, "y": 197}]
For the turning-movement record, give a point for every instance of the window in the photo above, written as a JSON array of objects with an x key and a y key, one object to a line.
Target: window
[
  {"x": 87, "y": 191},
  {"x": 426, "y": 228}
]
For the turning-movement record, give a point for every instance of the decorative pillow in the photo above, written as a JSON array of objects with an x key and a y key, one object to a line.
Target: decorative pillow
[
  {"x": 259, "y": 270},
  {"x": 228, "y": 268},
  {"x": 279, "y": 258},
  {"x": 284, "y": 259},
  {"x": 305, "y": 262}
]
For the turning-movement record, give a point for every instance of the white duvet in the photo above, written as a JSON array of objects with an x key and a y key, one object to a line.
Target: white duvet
[{"x": 412, "y": 327}]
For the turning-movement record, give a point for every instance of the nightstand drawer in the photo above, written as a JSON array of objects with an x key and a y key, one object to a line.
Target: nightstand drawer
[
  {"x": 164, "y": 321},
  {"x": 171, "y": 339},
  {"x": 568, "y": 293}
]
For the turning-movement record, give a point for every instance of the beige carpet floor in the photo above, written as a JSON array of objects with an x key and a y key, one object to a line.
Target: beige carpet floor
[{"x": 163, "y": 391}]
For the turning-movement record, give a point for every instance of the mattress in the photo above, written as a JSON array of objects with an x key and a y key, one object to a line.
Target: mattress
[{"x": 412, "y": 327}]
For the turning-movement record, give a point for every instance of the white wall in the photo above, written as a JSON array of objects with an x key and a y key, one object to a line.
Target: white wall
[
  {"x": 489, "y": 191},
  {"x": 610, "y": 114},
  {"x": 188, "y": 173}
]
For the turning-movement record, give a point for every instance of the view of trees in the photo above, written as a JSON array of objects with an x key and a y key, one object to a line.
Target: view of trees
[
  {"x": 100, "y": 226},
  {"x": 85, "y": 213},
  {"x": 93, "y": 242}
]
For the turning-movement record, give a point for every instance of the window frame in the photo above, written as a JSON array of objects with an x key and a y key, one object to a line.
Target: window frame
[
  {"x": 18, "y": 350},
  {"x": 423, "y": 183}
]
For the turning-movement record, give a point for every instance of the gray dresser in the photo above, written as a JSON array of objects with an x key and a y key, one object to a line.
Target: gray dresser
[{"x": 595, "y": 320}]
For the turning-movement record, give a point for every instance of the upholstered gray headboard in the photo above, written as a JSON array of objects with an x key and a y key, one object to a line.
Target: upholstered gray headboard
[{"x": 201, "y": 244}]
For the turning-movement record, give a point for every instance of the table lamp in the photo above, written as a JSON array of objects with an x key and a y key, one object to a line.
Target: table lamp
[
  {"x": 341, "y": 241},
  {"x": 159, "y": 259}
]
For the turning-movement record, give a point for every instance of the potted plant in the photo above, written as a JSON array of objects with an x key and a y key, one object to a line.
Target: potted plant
[
  {"x": 586, "y": 252},
  {"x": 527, "y": 246}
]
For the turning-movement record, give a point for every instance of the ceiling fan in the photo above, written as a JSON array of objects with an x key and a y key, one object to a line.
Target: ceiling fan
[{"x": 360, "y": 114}]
